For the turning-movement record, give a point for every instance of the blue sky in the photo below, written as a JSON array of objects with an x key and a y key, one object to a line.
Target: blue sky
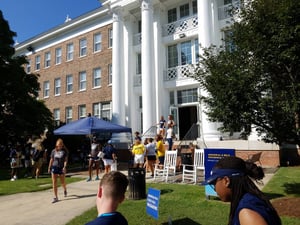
[{"x": 29, "y": 18}]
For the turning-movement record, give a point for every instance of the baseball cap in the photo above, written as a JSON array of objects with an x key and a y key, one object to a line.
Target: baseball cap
[
  {"x": 218, "y": 173},
  {"x": 109, "y": 142}
]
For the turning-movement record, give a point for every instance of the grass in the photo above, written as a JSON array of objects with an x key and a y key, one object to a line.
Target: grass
[
  {"x": 187, "y": 204},
  {"x": 22, "y": 185}
]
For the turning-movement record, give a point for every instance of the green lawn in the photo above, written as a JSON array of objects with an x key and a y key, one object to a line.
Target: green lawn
[{"x": 186, "y": 204}]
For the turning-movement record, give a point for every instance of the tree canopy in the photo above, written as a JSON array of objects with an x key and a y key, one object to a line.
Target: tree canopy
[
  {"x": 256, "y": 84},
  {"x": 21, "y": 113}
]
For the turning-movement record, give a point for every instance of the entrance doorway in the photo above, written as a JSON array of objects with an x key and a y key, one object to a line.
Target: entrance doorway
[{"x": 187, "y": 116}]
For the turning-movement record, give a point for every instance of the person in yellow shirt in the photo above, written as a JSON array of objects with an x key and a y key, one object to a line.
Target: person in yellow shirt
[
  {"x": 138, "y": 151},
  {"x": 160, "y": 149}
]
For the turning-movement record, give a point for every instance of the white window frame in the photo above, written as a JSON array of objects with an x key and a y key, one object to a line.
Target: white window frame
[
  {"x": 57, "y": 86},
  {"x": 69, "y": 83},
  {"x": 46, "y": 89},
  {"x": 69, "y": 114},
  {"x": 82, "y": 47},
  {"x": 82, "y": 81},
  {"x": 58, "y": 54},
  {"x": 97, "y": 42},
  {"x": 70, "y": 52},
  {"x": 47, "y": 59},
  {"x": 97, "y": 77},
  {"x": 110, "y": 38},
  {"x": 81, "y": 111},
  {"x": 38, "y": 62},
  {"x": 109, "y": 74}
]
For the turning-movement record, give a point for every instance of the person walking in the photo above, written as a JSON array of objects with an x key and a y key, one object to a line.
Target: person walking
[
  {"x": 109, "y": 156},
  {"x": 138, "y": 152},
  {"x": 111, "y": 193},
  {"x": 232, "y": 179},
  {"x": 160, "y": 149},
  {"x": 58, "y": 167},
  {"x": 150, "y": 155},
  {"x": 94, "y": 160}
]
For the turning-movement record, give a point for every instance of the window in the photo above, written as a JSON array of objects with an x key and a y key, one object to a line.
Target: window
[
  {"x": 109, "y": 73},
  {"x": 172, "y": 56},
  {"x": 172, "y": 15},
  {"x": 105, "y": 111},
  {"x": 82, "y": 81},
  {"x": 82, "y": 47},
  {"x": 97, "y": 42},
  {"x": 69, "y": 83},
  {"x": 70, "y": 51},
  {"x": 184, "y": 11},
  {"x": 139, "y": 63},
  {"x": 57, "y": 86},
  {"x": 194, "y": 7},
  {"x": 81, "y": 111},
  {"x": 46, "y": 89},
  {"x": 97, "y": 77},
  {"x": 172, "y": 98},
  {"x": 28, "y": 66},
  {"x": 110, "y": 38},
  {"x": 228, "y": 42},
  {"x": 56, "y": 116},
  {"x": 38, "y": 62},
  {"x": 47, "y": 59},
  {"x": 187, "y": 96},
  {"x": 69, "y": 113},
  {"x": 96, "y": 109},
  {"x": 197, "y": 46},
  {"x": 58, "y": 56},
  {"x": 186, "y": 53},
  {"x": 139, "y": 26}
]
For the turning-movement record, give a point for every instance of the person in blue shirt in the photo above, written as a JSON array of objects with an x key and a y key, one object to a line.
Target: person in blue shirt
[
  {"x": 111, "y": 193},
  {"x": 232, "y": 178},
  {"x": 109, "y": 156}
]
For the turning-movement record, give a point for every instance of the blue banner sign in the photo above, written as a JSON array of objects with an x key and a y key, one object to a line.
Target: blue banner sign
[
  {"x": 153, "y": 202},
  {"x": 211, "y": 157}
]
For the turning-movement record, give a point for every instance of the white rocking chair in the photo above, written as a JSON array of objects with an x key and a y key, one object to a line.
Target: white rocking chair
[
  {"x": 189, "y": 172},
  {"x": 169, "y": 167}
]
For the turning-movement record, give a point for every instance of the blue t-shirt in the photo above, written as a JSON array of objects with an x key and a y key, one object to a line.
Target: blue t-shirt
[
  {"x": 114, "y": 218},
  {"x": 256, "y": 204},
  {"x": 108, "y": 152}
]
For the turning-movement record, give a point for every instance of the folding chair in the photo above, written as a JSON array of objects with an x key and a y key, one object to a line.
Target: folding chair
[
  {"x": 169, "y": 167},
  {"x": 189, "y": 172}
]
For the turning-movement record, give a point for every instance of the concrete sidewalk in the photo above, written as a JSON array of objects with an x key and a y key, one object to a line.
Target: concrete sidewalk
[{"x": 36, "y": 208}]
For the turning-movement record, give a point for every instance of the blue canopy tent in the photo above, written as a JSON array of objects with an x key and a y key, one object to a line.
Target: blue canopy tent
[{"x": 90, "y": 125}]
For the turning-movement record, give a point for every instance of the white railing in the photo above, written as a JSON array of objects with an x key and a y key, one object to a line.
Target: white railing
[
  {"x": 179, "y": 72},
  {"x": 180, "y": 25}
]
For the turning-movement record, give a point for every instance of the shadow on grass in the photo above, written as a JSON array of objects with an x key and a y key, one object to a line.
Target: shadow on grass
[
  {"x": 292, "y": 188},
  {"x": 165, "y": 191},
  {"x": 183, "y": 221}
]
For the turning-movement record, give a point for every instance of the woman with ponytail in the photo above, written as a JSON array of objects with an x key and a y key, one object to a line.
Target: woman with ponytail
[{"x": 232, "y": 179}]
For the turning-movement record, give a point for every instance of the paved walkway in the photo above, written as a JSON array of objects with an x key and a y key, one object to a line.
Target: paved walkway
[{"x": 36, "y": 208}]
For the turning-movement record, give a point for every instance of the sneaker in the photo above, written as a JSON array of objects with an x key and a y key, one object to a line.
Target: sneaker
[
  {"x": 55, "y": 200},
  {"x": 65, "y": 193},
  {"x": 97, "y": 178},
  {"x": 89, "y": 179},
  {"x": 12, "y": 179}
]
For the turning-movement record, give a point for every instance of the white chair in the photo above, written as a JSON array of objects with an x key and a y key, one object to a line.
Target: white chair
[
  {"x": 169, "y": 167},
  {"x": 189, "y": 172}
]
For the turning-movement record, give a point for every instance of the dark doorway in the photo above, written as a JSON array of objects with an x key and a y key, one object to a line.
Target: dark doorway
[{"x": 187, "y": 117}]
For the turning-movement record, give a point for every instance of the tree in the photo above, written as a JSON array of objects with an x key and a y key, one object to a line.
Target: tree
[
  {"x": 257, "y": 83},
  {"x": 21, "y": 113}
]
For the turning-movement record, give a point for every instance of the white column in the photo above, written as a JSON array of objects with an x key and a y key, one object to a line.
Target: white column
[
  {"x": 206, "y": 23},
  {"x": 148, "y": 78},
  {"x": 117, "y": 76}
]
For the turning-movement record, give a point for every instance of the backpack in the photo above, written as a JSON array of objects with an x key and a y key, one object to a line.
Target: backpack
[{"x": 36, "y": 155}]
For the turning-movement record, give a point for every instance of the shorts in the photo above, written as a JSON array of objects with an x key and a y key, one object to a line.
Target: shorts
[
  {"x": 96, "y": 158},
  {"x": 139, "y": 159},
  {"x": 107, "y": 162},
  {"x": 56, "y": 170},
  {"x": 151, "y": 157},
  {"x": 13, "y": 163}
]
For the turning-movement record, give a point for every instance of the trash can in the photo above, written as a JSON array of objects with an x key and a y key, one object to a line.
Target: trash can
[
  {"x": 137, "y": 183},
  {"x": 186, "y": 158}
]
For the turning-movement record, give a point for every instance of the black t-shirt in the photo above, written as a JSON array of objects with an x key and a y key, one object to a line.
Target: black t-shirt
[{"x": 114, "y": 218}]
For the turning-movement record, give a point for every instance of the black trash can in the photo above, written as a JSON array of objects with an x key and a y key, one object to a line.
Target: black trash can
[
  {"x": 186, "y": 158},
  {"x": 137, "y": 183}
]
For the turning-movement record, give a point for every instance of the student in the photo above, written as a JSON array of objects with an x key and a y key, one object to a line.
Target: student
[
  {"x": 58, "y": 167},
  {"x": 138, "y": 151},
  {"x": 231, "y": 179},
  {"x": 110, "y": 194}
]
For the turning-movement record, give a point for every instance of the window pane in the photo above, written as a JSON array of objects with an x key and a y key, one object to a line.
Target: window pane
[
  {"x": 97, "y": 77},
  {"x": 69, "y": 83},
  {"x": 109, "y": 74},
  {"x": 70, "y": 52},
  {"x": 58, "y": 56},
  {"x": 172, "y": 56},
  {"x": 82, "y": 81},
  {"x": 172, "y": 17},
  {"x": 187, "y": 96},
  {"x": 186, "y": 53},
  {"x": 97, "y": 42},
  {"x": 184, "y": 11},
  {"x": 83, "y": 47}
]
